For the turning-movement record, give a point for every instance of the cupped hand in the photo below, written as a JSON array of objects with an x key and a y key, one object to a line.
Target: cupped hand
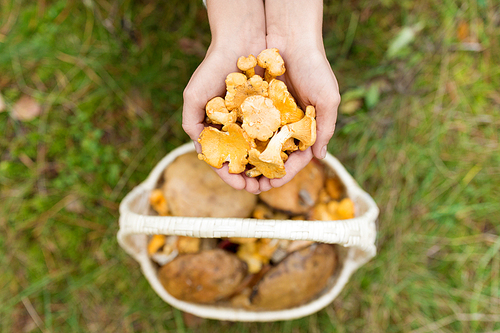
[
  {"x": 238, "y": 28},
  {"x": 310, "y": 79}
]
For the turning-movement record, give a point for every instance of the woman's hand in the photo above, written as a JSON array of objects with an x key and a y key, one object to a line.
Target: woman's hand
[
  {"x": 238, "y": 28},
  {"x": 295, "y": 28}
]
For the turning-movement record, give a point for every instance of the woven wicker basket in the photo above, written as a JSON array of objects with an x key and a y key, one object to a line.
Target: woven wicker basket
[{"x": 356, "y": 235}]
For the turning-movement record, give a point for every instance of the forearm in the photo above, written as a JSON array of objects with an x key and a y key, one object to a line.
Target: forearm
[
  {"x": 237, "y": 24},
  {"x": 294, "y": 23}
]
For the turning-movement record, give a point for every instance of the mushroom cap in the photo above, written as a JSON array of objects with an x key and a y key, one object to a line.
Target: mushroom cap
[
  {"x": 260, "y": 118},
  {"x": 297, "y": 279},
  {"x": 284, "y": 102},
  {"x": 271, "y": 60},
  {"x": 346, "y": 209},
  {"x": 300, "y": 194},
  {"x": 204, "y": 277},
  {"x": 304, "y": 130},
  {"x": 239, "y": 88},
  {"x": 217, "y": 112},
  {"x": 193, "y": 189},
  {"x": 158, "y": 202},
  {"x": 270, "y": 170},
  {"x": 246, "y": 63},
  {"x": 334, "y": 188},
  {"x": 231, "y": 145}
]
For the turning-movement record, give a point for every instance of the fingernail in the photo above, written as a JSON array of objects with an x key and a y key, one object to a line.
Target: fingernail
[{"x": 323, "y": 152}]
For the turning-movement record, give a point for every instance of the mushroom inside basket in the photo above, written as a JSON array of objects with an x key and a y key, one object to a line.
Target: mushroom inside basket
[{"x": 249, "y": 273}]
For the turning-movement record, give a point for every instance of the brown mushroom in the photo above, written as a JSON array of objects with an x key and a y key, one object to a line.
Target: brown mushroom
[
  {"x": 300, "y": 194},
  {"x": 284, "y": 102},
  {"x": 231, "y": 145},
  {"x": 296, "y": 279},
  {"x": 247, "y": 65},
  {"x": 193, "y": 189},
  {"x": 272, "y": 62},
  {"x": 260, "y": 118},
  {"x": 204, "y": 277},
  {"x": 217, "y": 112}
]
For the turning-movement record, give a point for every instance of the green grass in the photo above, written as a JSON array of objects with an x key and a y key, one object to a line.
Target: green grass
[{"x": 110, "y": 76}]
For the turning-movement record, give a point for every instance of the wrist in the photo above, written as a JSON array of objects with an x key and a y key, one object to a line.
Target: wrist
[
  {"x": 237, "y": 25},
  {"x": 294, "y": 23}
]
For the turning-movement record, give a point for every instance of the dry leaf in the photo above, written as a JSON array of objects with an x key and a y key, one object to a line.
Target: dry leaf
[
  {"x": 2, "y": 104},
  {"x": 26, "y": 109},
  {"x": 463, "y": 31}
]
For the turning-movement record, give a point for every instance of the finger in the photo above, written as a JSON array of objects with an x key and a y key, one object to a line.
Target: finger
[
  {"x": 193, "y": 114},
  {"x": 265, "y": 184},
  {"x": 235, "y": 180},
  {"x": 252, "y": 185},
  {"x": 296, "y": 162},
  {"x": 326, "y": 117}
]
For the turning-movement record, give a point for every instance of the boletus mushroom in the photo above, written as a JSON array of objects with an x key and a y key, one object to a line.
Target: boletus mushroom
[
  {"x": 300, "y": 194},
  {"x": 204, "y": 277},
  {"x": 193, "y": 189},
  {"x": 295, "y": 280}
]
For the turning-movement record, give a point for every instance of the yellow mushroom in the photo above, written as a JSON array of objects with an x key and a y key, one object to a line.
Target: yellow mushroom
[
  {"x": 334, "y": 188},
  {"x": 231, "y": 145},
  {"x": 217, "y": 112},
  {"x": 260, "y": 118},
  {"x": 239, "y": 88},
  {"x": 275, "y": 168},
  {"x": 188, "y": 244},
  {"x": 156, "y": 243},
  {"x": 346, "y": 209},
  {"x": 247, "y": 65},
  {"x": 159, "y": 202},
  {"x": 272, "y": 62},
  {"x": 284, "y": 102},
  {"x": 303, "y": 130}
]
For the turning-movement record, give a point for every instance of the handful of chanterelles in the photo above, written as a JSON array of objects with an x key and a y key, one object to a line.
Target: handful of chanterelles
[
  {"x": 249, "y": 273},
  {"x": 261, "y": 124}
]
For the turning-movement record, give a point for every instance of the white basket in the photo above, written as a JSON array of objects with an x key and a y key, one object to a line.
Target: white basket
[{"x": 357, "y": 235}]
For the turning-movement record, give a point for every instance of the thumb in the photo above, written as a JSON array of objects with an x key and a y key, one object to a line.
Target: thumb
[{"x": 326, "y": 117}]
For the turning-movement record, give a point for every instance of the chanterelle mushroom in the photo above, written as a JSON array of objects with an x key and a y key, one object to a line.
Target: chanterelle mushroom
[
  {"x": 217, "y": 112},
  {"x": 239, "y": 88},
  {"x": 284, "y": 102},
  {"x": 303, "y": 130},
  {"x": 247, "y": 65},
  {"x": 230, "y": 145},
  {"x": 260, "y": 118},
  {"x": 272, "y": 62},
  {"x": 271, "y": 170}
]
